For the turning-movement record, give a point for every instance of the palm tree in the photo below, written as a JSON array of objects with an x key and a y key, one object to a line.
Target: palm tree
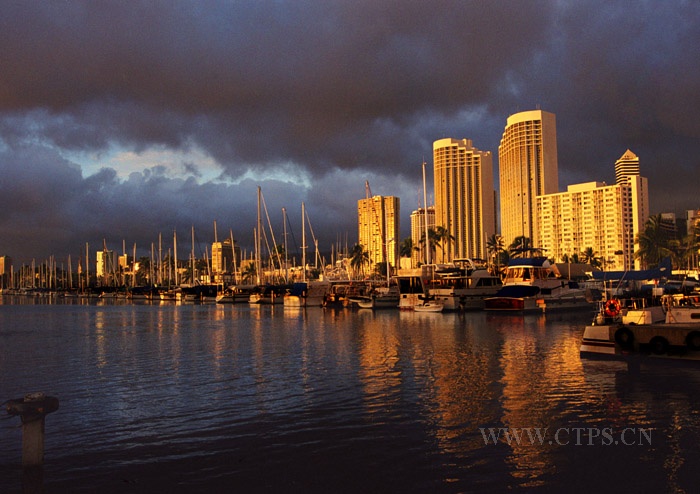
[
  {"x": 653, "y": 242},
  {"x": 591, "y": 257},
  {"x": 433, "y": 239},
  {"x": 573, "y": 259},
  {"x": 682, "y": 251},
  {"x": 442, "y": 235},
  {"x": 406, "y": 248},
  {"x": 520, "y": 246},
  {"x": 359, "y": 258},
  {"x": 495, "y": 246},
  {"x": 249, "y": 273}
]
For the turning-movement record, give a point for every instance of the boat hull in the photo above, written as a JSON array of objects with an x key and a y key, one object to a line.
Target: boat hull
[{"x": 678, "y": 341}]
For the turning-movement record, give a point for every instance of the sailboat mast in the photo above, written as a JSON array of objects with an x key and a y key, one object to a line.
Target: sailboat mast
[
  {"x": 133, "y": 267},
  {"x": 175, "y": 254},
  {"x": 425, "y": 219},
  {"x": 192, "y": 256},
  {"x": 386, "y": 245},
  {"x": 303, "y": 242},
  {"x": 87, "y": 265},
  {"x": 233, "y": 253},
  {"x": 284, "y": 232},
  {"x": 258, "y": 247}
]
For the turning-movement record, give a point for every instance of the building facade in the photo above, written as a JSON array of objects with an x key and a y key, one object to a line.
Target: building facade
[
  {"x": 587, "y": 215},
  {"x": 379, "y": 228},
  {"x": 222, "y": 257},
  {"x": 528, "y": 167},
  {"x": 107, "y": 267},
  {"x": 5, "y": 272},
  {"x": 605, "y": 218},
  {"x": 418, "y": 226},
  {"x": 464, "y": 198},
  {"x": 626, "y": 166}
]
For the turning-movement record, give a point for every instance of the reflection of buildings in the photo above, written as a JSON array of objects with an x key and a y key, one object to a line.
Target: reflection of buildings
[
  {"x": 422, "y": 367},
  {"x": 378, "y": 228},
  {"x": 527, "y": 161},
  {"x": 464, "y": 197}
]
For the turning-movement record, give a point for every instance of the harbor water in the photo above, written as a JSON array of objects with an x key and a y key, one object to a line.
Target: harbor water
[{"x": 237, "y": 398}]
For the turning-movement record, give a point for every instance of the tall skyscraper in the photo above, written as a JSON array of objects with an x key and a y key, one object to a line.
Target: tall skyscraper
[
  {"x": 464, "y": 199},
  {"x": 626, "y": 166},
  {"x": 527, "y": 160},
  {"x": 418, "y": 219},
  {"x": 378, "y": 228}
]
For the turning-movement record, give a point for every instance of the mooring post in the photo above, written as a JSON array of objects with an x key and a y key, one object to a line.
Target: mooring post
[{"x": 32, "y": 410}]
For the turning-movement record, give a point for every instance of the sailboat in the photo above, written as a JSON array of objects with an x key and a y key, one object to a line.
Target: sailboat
[{"x": 306, "y": 293}]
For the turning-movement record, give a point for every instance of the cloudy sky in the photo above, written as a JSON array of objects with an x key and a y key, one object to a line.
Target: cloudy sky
[{"x": 123, "y": 120}]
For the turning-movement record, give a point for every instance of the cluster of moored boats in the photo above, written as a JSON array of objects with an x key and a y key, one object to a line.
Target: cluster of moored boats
[{"x": 530, "y": 284}]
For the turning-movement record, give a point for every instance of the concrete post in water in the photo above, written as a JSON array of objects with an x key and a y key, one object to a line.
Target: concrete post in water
[{"x": 32, "y": 409}]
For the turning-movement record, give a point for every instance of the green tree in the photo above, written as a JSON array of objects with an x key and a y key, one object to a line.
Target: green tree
[
  {"x": 653, "y": 242},
  {"x": 683, "y": 251},
  {"x": 591, "y": 257},
  {"x": 442, "y": 235},
  {"x": 249, "y": 273},
  {"x": 359, "y": 259},
  {"x": 406, "y": 248},
  {"x": 433, "y": 242},
  {"x": 520, "y": 247},
  {"x": 495, "y": 245}
]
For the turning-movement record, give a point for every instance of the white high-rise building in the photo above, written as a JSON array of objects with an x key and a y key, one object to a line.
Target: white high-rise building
[
  {"x": 606, "y": 218},
  {"x": 527, "y": 161}
]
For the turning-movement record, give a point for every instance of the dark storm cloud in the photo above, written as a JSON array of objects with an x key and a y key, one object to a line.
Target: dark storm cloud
[
  {"x": 334, "y": 89},
  {"x": 257, "y": 81}
]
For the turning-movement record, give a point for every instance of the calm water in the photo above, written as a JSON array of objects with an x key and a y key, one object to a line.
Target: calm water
[{"x": 210, "y": 398}]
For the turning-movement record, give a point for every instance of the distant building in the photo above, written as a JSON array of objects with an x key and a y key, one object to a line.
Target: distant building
[
  {"x": 668, "y": 224},
  {"x": 528, "y": 167},
  {"x": 5, "y": 272},
  {"x": 692, "y": 219},
  {"x": 378, "y": 228},
  {"x": 606, "y": 218},
  {"x": 222, "y": 257},
  {"x": 418, "y": 219},
  {"x": 464, "y": 206},
  {"x": 626, "y": 166},
  {"x": 106, "y": 267}
]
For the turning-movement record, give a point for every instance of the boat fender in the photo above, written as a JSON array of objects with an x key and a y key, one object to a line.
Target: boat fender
[
  {"x": 612, "y": 308},
  {"x": 624, "y": 337},
  {"x": 693, "y": 340}
]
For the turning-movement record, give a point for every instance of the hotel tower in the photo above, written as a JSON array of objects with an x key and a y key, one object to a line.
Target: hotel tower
[
  {"x": 464, "y": 198},
  {"x": 527, "y": 161},
  {"x": 605, "y": 218},
  {"x": 378, "y": 228}
]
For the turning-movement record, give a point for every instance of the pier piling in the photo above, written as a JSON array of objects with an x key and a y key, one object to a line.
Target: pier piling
[{"x": 32, "y": 410}]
